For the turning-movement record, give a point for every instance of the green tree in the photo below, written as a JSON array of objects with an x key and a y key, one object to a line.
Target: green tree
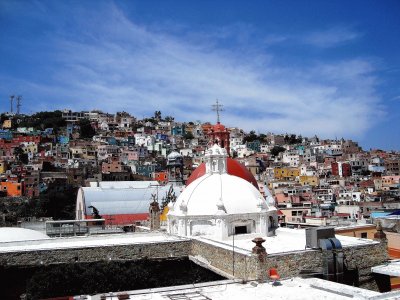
[
  {"x": 86, "y": 129},
  {"x": 286, "y": 138},
  {"x": 43, "y": 119},
  {"x": 157, "y": 115},
  {"x": 188, "y": 136},
  {"x": 292, "y": 139},
  {"x": 3, "y": 117},
  {"x": 276, "y": 150},
  {"x": 20, "y": 155},
  {"x": 58, "y": 204},
  {"x": 251, "y": 137},
  {"x": 299, "y": 139}
]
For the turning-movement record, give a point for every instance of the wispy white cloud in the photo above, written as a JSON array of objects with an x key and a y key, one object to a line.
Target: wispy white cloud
[
  {"x": 331, "y": 37},
  {"x": 273, "y": 39},
  {"x": 120, "y": 65},
  {"x": 396, "y": 98}
]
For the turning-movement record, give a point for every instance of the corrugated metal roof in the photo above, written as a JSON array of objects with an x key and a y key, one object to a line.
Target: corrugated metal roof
[
  {"x": 113, "y": 200},
  {"x": 126, "y": 184}
]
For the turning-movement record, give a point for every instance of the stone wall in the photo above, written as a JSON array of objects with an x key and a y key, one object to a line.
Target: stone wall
[
  {"x": 240, "y": 264},
  {"x": 92, "y": 254},
  {"x": 250, "y": 266},
  {"x": 290, "y": 264},
  {"x": 363, "y": 258}
]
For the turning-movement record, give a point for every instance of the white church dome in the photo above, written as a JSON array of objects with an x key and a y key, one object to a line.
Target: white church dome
[
  {"x": 174, "y": 155},
  {"x": 219, "y": 193},
  {"x": 219, "y": 204}
]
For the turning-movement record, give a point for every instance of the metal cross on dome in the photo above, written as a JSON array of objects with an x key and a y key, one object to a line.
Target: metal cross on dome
[{"x": 218, "y": 108}]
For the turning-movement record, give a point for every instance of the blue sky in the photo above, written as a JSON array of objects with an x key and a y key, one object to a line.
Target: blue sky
[{"x": 330, "y": 68}]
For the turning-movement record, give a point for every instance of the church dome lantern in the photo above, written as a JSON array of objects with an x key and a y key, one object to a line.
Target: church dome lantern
[{"x": 175, "y": 168}]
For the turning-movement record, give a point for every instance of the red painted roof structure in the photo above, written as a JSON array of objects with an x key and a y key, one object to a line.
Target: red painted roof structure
[
  {"x": 218, "y": 127},
  {"x": 234, "y": 168}
]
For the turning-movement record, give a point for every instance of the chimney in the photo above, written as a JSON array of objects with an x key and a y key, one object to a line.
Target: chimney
[{"x": 379, "y": 234}]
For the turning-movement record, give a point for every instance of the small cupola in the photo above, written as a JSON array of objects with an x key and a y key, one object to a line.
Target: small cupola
[{"x": 215, "y": 160}]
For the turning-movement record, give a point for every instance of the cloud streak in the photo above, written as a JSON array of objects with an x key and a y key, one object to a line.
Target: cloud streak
[
  {"x": 332, "y": 37},
  {"x": 121, "y": 65}
]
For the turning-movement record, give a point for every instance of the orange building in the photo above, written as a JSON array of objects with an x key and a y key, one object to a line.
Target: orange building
[
  {"x": 206, "y": 128},
  {"x": 393, "y": 244},
  {"x": 161, "y": 177},
  {"x": 13, "y": 189},
  {"x": 393, "y": 239}
]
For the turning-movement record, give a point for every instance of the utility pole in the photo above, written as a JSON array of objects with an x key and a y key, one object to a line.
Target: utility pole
[
  {"x": 11, "y": 103},
  {"x": 233, "y": 253},
  {"x": 157, "y": 186},
  {"x": 19, "y": 98}
]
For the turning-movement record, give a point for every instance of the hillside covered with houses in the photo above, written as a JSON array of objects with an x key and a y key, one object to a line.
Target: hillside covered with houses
[{"x": 47, "y": 156}]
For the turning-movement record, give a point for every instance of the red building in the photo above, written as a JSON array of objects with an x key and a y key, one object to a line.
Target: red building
[
  {"x": 341, "y": 169},
  {"x": 220, "y": 135}
]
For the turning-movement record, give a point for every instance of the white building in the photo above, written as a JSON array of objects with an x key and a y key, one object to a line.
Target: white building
[
  {"x": 291, "y": 158},
  {"x": 144, "y": 140}
]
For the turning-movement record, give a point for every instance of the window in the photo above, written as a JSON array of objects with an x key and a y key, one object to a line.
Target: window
[
  {"x": 240, "y": 229},
  {"x": 364, "y": 235}
]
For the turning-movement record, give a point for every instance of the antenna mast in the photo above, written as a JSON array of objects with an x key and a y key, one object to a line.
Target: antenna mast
[
  {"x": 19, "y": 98},
  {"x": 218, "y": 108},
  {"x": 11, "y": 103}
]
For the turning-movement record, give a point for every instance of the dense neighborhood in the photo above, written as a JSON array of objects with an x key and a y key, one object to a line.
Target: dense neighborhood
[{"x": 47, "y": 156}]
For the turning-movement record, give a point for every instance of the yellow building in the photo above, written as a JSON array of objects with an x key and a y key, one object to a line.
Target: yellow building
[
  {"x": 366, "y": 231},
  {"x": 163, "y": 216},
  {"x": 3, "y": 166},
  {"x": 7, "y": 124},
  {"x": 29, "y": 147},
  {"x": 309, "y": 180},
  {"x": 286, "y": 173}
]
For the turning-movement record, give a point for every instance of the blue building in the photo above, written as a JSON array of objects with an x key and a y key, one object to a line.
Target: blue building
[
  {"x": 146, "y": 170},
  {"x": 111, "y": 140},
  {"x": 6, "y": 134},
  {"x": 62, "y": 139},
  {"x": 178, "y": 130},
  {"x": 70, "y": 128},
  {"x": 255, "y": 146},
  {"x": 161, "y": 137}
]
